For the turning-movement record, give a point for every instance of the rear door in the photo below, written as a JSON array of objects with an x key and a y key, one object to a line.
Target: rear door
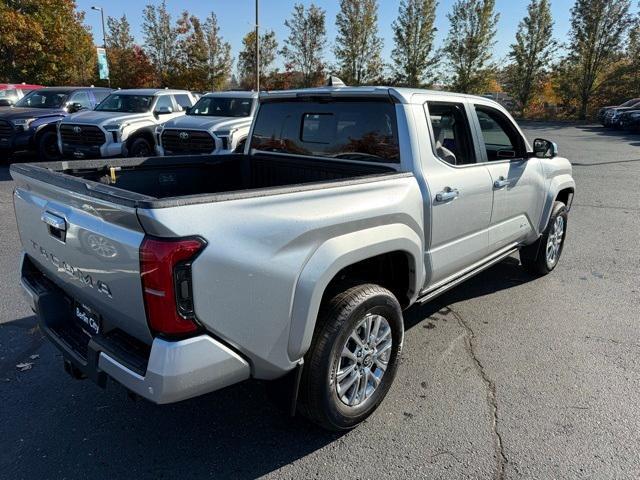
[
  {"x": 460, "y": 191},
  {"x": 516, "y": 178},
  {"x": 86, "y": 246}
]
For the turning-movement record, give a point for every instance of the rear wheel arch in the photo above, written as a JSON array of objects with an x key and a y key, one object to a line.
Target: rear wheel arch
[{"x": 338, "y": 262}]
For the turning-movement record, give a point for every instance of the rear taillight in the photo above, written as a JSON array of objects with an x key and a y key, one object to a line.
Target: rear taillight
[{"x": 165, "y": 268}]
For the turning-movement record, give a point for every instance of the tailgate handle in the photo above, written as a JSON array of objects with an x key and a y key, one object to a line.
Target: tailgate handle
[{"x": 57, "y": 225}]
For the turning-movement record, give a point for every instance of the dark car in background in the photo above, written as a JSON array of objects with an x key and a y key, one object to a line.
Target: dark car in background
[
  {"x": 10, "y": 93},
  {"x": 609, "y": 116},
  {"x": 31, "y": 123},
  {"x": 630, "y": 120}
]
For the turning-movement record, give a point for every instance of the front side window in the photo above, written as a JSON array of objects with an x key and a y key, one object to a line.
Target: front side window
[
  {"x": 100, "y": 95},
  {"x": 118, "y": 102},
  {"x": 183, "y": 100},
  {"x": 164, "y": 101},
  {"x": 43, "y": 99},
  {"x": 451, "y": 135},
  {"x": 222, "y": 107},
  {"x": 501, "y": 139},
  {"x": 345, "y": 129},
  {"x": 82, "y": 98}
]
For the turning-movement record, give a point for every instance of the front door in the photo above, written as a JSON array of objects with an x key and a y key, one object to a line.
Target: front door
[{"x": 517, "y": 179}]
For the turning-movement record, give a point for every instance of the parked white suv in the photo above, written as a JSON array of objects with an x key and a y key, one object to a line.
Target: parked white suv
[
  {"x": 218, "y": 123},
  {"x": 123, "y": 124}
]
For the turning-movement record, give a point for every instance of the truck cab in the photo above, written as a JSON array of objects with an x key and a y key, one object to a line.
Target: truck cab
[
  {"x": 122, "y": 125},
  {"x": 31, "y": 123},
  {"x": 217, "y": 124}
]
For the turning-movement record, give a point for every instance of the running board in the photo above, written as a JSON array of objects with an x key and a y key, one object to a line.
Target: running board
[{"x": 430, "y": 295}]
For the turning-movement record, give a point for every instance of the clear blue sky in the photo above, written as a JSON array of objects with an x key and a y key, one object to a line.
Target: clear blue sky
[{"x": 236, "y": 18}]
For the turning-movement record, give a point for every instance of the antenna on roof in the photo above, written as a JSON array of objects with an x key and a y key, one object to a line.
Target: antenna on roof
[{"x": 334, "y": 81}]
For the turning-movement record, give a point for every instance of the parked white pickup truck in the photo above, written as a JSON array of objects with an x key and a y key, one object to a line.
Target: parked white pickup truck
[
  {"x": 123, "y": 124},
  {"x": 217, "y": 124},
  {"x": 177, "y": 276}
]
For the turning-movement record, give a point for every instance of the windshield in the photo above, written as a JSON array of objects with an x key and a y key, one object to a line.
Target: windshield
[
  {"x": 631, "y": 103},
  {"x": 43, "y": 99},
  {"x": 222, "y": 107},
  {"x": 118, "y": 102}
]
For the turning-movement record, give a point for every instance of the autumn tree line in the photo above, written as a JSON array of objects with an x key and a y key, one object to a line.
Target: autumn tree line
[{"x": 46, "y": 41}]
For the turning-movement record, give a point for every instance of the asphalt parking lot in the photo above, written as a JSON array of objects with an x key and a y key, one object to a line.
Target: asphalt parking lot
[{"x": 507, "y": 376}]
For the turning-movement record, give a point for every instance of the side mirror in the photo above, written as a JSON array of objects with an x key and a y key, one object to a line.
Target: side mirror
[
  {"x": 74, "y": 107},
  {"x": 187, "y": 110},
  {"x": 544, "y": 148},
  {"x": 163, "y": 110},
  {"x": 5, "y": 102}
]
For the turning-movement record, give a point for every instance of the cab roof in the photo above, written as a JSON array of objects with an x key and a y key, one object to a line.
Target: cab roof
[
  {"x": 399, "y": 94},
  {"x": 149, "y": 91},
  {"x": 232, "y": 93}
]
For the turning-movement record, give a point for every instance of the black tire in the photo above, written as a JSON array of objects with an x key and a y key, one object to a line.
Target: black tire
[
  {"x": 534, "y": 257},
  {"x": 140, "y": 147},
  {"x": 48, "y": 150},
  {"x": 339, "y": 316}
]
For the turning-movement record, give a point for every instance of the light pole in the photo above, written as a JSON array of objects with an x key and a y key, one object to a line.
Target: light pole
[
  {"x": 104, "y": 39},
  {"x": 257, "y": 50}
]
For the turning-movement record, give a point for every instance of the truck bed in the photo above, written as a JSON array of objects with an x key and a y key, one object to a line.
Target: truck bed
[{"x": 167, "y": 181}]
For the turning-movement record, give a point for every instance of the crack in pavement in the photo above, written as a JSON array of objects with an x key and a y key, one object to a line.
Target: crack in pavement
[{"x": 501, "y": 459}]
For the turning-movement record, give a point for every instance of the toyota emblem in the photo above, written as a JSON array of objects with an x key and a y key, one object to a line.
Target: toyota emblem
[
  {"x": 183, "y": 135},
  {"x": 77, "y": 130}
]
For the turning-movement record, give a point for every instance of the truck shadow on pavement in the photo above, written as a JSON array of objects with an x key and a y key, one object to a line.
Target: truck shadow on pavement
[{"x": 55, "y": 427}]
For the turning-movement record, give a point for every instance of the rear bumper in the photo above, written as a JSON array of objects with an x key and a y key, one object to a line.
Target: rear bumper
[{"x": 168, "y": 372}]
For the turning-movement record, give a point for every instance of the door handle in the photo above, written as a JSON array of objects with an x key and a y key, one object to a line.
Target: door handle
[
  {"x": 501, "y": 183},
  {"x": 54, "y": 221},
  {"x": 447, "y": 194}
]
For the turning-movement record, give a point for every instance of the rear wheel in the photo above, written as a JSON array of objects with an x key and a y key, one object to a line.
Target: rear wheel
[
  {"x": 48, "y": 147},
  {"x": 353, "y": 357},
  {"x": 542, "y": 256},
  {"x": 140, "y": 147}
]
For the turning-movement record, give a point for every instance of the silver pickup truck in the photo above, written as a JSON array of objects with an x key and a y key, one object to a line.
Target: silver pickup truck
[{"x": 178, "y": 276}]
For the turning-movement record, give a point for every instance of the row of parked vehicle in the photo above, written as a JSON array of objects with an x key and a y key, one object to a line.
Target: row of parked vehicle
[
  {"x": 625, "y": 116},
  {"x": 93, "y": 122}
]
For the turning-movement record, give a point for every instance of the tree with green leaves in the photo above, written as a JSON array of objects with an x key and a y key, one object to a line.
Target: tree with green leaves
[
  {"x": 598, "y": 29},
  {"x": 161, "y": 42},
  {"x": 468, "y": 46},
  {"x": 304, "y": 47},
  {"x": 219, "y": 60},
  {"x": 247, "y": 57},
  {"x": 129, "y": 67},
  {"x": 413, "y": 34},
  {"x": 358, "y": 47},
  {"x": 531, "y": 54}
]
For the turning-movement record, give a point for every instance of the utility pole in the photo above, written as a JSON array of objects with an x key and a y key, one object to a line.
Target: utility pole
[
  {"x": 104, "y": 38},
  {"x": 257, "y": 50}
]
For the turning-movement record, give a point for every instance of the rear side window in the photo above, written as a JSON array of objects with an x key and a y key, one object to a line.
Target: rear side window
[
  {"x": 183, "y": 100},
  {"x": 344, "y": 129},
  {"x": 451, "y": 136}
]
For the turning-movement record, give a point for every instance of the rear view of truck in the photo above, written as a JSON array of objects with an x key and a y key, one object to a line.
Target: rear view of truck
[
  {"x": 114, "y": 300},
  {"x": 177, "y": 276}
]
